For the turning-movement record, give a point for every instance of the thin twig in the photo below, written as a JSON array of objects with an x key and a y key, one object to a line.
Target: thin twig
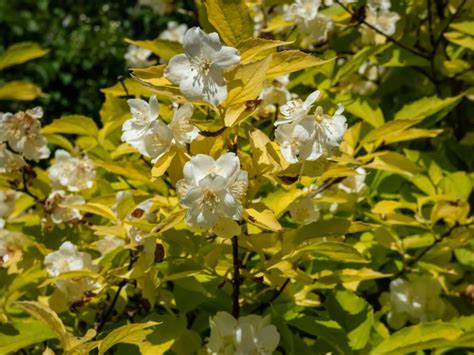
[
  {"x": 430, "y": 22},
  {"x": 390, "y": 38},
  {"x": 121, "y": 285},
  {"x": 426, "y": 250},
  {"x": 236, "y": 278}
]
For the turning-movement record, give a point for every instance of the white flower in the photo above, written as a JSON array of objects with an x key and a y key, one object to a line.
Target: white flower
[
  {"x": 274, "y": 93},
  {"x": 11, "y": 247},
  {"x": 304, "y": 211},
  {"x": 200, "y": 70},
  {"x": 22, "y": 132},
  {"x": 66, "y": 259},
  {"x": 108, "y": 243},
  {"x": 74, "y": 173},
  {"x": 247, "y": 335},
  {"x": 9, "y": 161},
  {"x": 415, "y": 300},
  {"x": 301, "y": 10},
  {"x": 308, "y": 137},
  {"x": 175, "y": 32},
  {"x": 212, "y": 189},
  {"x": 143, "y": 115},
  {"x": 183, "y": 131},
  {"x": 60, "y": 214},
  {"x": 7, "y": 202},
  {"x": 379, "y": 4},
  {"x": 354, "y": 184},
  {"x": 316, "y": 30},
  {"x": 298, "y": 140},
  {"x": 150, "y": 135},
  {"x": 137, "y": 57},
  {"x": 297, "y": 109},
  {"x": 383, "y": 20}
]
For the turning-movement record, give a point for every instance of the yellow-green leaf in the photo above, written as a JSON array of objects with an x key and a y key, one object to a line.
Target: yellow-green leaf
[
  {"x": 258, "y": 48},
  {"x": 74, "y": 124},
  {"x": 19, "y": 53},
  {"x": 426, "y": 107},
  {"x": 231, "y": 19},
  {"x": 96, "y": 208},
  {"x": 162, "y": 164},
  {"x": 245, "y": 82},
  {"x": 262, "y": 219},
  {"x": 290, "y": 61},
  {"x": 130, "y": 334},
  {"x": 19, "y": 90}
]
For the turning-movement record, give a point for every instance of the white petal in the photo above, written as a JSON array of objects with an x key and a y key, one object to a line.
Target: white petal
[
  {"x": 311, "y": 99},
  {"x": 178, "y": 69},
  {"x": 198, "y": 167},
  {"x": 226, "y": 57}
]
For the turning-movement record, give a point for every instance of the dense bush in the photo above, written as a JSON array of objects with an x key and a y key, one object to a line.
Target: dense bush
[{"x": 285, "y": 177}]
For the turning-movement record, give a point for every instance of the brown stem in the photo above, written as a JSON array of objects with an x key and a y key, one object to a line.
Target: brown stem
[{"x": 236, "y": 278}]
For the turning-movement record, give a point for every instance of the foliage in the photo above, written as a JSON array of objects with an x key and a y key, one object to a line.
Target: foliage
[{"x": 226, "y": 203}]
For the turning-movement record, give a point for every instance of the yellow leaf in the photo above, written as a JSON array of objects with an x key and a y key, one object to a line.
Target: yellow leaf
[
  {"x": 263, "y": 219},
  {"x": 19, "y": 90},
  {"x": 130, "y": 334},
  {"x": 364, "y": 109},
  {"x": 162, "y": 164},
  {"x": 290, "y": 61},
  {"x": 227, "y": 228},
  {"x": 395, "y": 163},
  {"x": 133, "y": 88},
  {"x": 231, "y": 19},
  {"x": 125, "y": 169},
  {"x": 163, "y": 48},
  {"x": 19, "y": 53},
  {"x": 96, "y": 208},
  {"x": 245, "y": 82},
  {"x": 425, "y": 107},
  {"x": 74, "y": 124},
  {"x": 258, "y": 48}
]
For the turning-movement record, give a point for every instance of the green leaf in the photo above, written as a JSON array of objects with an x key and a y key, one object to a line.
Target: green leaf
[
  {"x": 419, "y": 337},
  {"x": 456, "y": 185},
  {"x": 74, "y": 124},
  {"x": 125, "y": 169},
  {"x": 19, "y": 90},
  {"x": 22, "y": 333},
  {"x": 364, "y": 109},
  {"x": 163, "y": 48},
  {"x": 19, "y": 53},
  {"x": 231, "y": 19},
  {"x": 426, "y": 107},
  {"x": 353, "y": 314},
  {"x": 130, "y": 334},
  {"x": 461, "y": 39},
  {"x": 464, "y": 26},
  {"x": 337, "y": 251}
]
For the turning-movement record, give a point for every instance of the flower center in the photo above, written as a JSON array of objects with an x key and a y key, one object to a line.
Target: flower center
[
  {"x": 203, "y": 65},
  {"x": 210, "y": 200}
]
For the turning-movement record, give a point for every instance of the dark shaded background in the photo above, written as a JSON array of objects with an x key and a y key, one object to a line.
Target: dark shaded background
[{"x": 86, "y": 43}]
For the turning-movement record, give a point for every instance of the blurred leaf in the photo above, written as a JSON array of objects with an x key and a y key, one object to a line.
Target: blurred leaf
[
  {"x": 74, "y": 124},
  {"x": 22, "y": 333},
  {"x": 19, "y": 53},
  {"x": 19, "y": 90},
  {"x": 286, "y": 62}
]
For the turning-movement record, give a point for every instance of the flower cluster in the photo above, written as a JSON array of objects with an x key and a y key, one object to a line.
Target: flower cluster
[
  {"x": 415, "y": 300},
  {"x": 378, "y": 15},
  {"x": 68, "y": 258},
  {"x": 246, "y": 335},
  {"x": 7, "y": 204},
  {"x": 73, "y": 173},
  {"x": 56, "y": 207},
  {"x": 303, "y": 136},
  {"x": 212, "y": 189},
  {"x": 150, "y": 135},
  {"x": 21, "y": 131}
]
